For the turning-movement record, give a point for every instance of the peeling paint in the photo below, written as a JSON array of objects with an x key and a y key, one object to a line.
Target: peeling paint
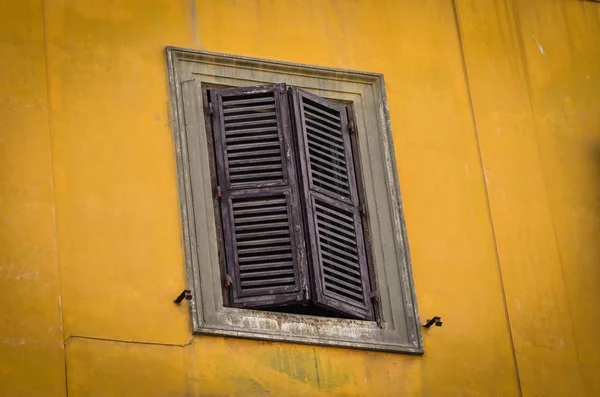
[
  {"x": 540, "y": 47},
  {"x": 16, "y": 272},
  {"x": 15, "y": 342}
]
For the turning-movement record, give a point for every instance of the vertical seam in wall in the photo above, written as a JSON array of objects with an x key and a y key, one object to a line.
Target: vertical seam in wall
[
  {"x": 187, "y": 367},
  {"x": 49, "y": 117},
  {"x": 487, "y": 195},
  {"x": 194, "y": 23},
  {"x": 317, "y": 368},
  {"x": 524, "y": 64}
]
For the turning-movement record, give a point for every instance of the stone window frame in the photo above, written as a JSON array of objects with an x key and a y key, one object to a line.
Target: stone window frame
[{"x": 398, "y": 329}]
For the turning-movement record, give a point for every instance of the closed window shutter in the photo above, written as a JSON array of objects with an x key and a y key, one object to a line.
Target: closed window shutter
[
  {"x": 333, "y": 211},
  {"x": 259, "y": 196}
]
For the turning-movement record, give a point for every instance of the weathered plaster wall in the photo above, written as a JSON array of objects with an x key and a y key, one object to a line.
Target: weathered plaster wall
[
  {"x": 499, "y": 170},
  {"x": 533, "y": 69},
  {"x": 31, "y": 336}
]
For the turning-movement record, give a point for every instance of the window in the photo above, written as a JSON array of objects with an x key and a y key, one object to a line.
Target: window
[
  {"x": 293, "y": 187},
  {"x": 290, "y": 209}
]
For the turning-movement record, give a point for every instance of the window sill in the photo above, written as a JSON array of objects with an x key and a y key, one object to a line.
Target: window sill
[{"x": 285, "y": 327}]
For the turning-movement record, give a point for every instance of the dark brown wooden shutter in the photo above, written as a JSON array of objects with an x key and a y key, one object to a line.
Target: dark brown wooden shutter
[
  {"x": 333, "y": 211},
  {"x": 259, "y": 195}
]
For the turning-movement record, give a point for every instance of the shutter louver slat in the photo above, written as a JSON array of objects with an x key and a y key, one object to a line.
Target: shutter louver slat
[
  {"x": 256, "y": 130},
  {"x": 331, "y": 152},
  {"x": 334, "y": 223},
  {"x": 262, "y": 225},
  {"x": 253, "y": 115},
  {"x": 249, "y": 109}
]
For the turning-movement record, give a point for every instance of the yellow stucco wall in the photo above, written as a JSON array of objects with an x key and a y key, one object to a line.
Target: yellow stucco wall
[{"x": 494, "y": 108}]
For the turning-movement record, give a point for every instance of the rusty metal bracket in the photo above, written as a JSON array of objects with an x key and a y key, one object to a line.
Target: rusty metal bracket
[
  {"x": 228, "y": 281},
  {"x": 374, "y": 295},
  {"x": 436, "y": 320},
  {"x": 185, "y": 294}
]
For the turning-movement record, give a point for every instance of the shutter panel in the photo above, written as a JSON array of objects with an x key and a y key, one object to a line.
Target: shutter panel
[
  {"x": 335, "y": 232},
  {"x": 260, "y": 207}
]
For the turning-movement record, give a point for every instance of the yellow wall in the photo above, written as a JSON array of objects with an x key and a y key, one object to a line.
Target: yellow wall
[{"x": 494, "y": 108}]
